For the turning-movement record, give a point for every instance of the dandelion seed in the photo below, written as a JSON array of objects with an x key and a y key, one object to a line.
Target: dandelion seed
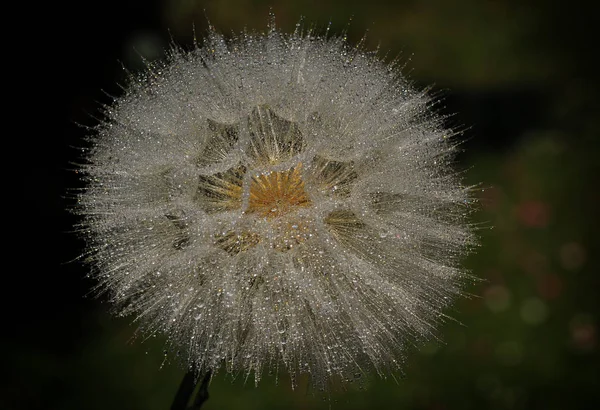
[{"x": 273, "y": 199}]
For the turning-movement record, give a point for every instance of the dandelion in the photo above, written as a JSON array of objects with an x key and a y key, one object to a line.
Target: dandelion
[{"x": 277, "y": 200}]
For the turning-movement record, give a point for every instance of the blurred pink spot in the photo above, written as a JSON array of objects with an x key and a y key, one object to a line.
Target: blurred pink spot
[
  {"x": 583, "y": 335},
  {"x": 549, "y": 286},
  {"x": 533, "y": 214}
]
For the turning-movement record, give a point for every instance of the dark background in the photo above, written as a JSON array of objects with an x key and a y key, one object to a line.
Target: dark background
[{"x": 521, "y": 77}]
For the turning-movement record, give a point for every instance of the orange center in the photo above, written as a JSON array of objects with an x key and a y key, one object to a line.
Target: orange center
[{"x": 277, "y": 193}]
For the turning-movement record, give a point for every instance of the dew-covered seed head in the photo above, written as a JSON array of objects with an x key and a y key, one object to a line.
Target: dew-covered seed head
[{"x": 277, "y": 199}]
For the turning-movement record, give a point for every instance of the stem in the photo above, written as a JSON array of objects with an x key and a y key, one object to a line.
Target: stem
[
  {"x": 202, "y": 394},
  {"x": 186, "y": 391}
]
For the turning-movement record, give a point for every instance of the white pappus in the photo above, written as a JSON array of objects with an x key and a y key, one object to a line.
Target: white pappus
[{"x": 277, "y": 200}]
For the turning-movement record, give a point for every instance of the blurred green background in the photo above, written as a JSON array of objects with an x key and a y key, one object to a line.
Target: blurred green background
[{"x": 519, "y": 76}]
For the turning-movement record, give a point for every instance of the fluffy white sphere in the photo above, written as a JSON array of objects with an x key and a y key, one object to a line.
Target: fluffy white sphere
[{"x": 277, "y": 199}]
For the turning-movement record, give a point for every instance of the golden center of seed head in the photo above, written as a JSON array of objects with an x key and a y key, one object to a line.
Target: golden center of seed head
[{"x": 277, "y": 193}]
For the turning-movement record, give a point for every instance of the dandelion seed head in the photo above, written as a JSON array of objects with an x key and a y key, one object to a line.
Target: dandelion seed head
[{"x": 277, "y": 199}]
